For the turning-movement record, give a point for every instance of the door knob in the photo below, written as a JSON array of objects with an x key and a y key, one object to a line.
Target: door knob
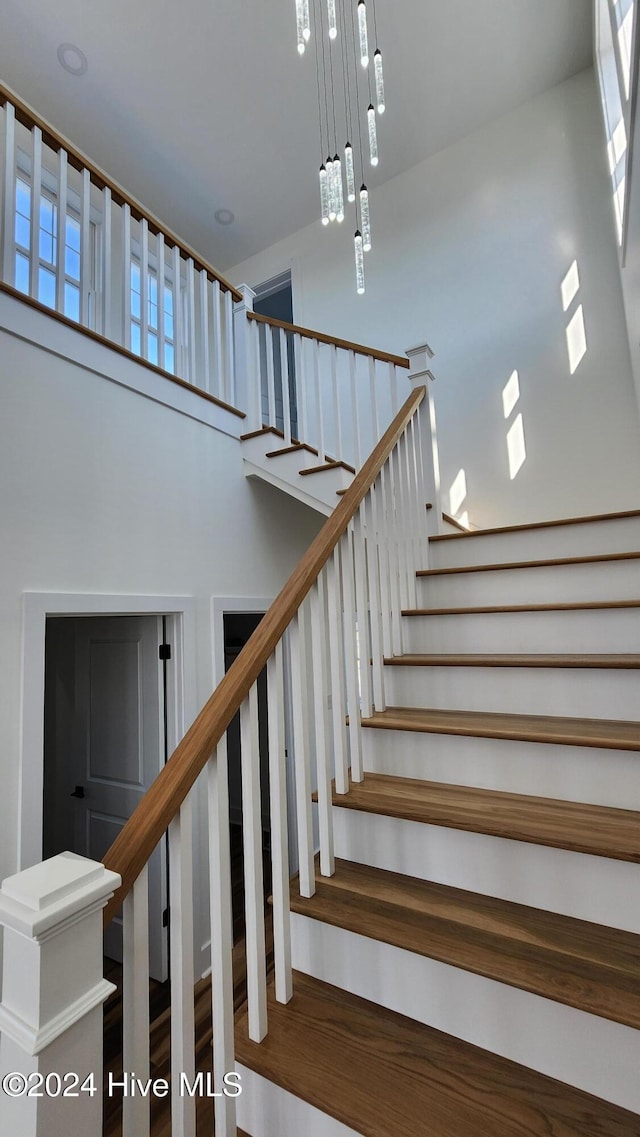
[{"x": 78, "y": 792}]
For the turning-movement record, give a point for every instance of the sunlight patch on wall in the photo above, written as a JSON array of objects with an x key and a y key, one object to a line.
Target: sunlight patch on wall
[
  {"x": 458, "y": 492},
  {"x": 576, "y": 340},
  {"x": 516, "y": 446},
  {"x": 570, "y": 285},
  {"x": 511, "y": 393}
]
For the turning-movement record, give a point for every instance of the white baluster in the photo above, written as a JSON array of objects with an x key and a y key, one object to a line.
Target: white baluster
[
  {"x": 246, "y": 389},
  {"x": 393, "y": 388},
  {"x": 362, "y": 604},
  {"x": 253, "y": 877},
  {"x": 355, "y": 410},
  {"x": 126, "y": 273},
  {"x": 298, "y": 648},
  {"x": 161, "y": 275},
  {"x": 135, "y": 1004},
  {"x": 269, "y": 333},
  {"x": 279, "y": 833},
  {"x": 319, "y": 424},
  {"x": 351, "y": 656},
  {"x": 230, "y": 394},
  {"x": 323, "y": 769},
  {"x": 176, "y": 261},
  {"x": 255, "y": 383},
  {"x": 183, "y": 1106},
  {"x": 337, "y": 679},
  {"x": 218, "y": 375},
  {"x": 62, "y": 228},
  {"x": 373, "y": 571},
  {"x": 337, "y": 418},
  {"x": 417, "y": 506},
  {"x": 87, "y": 315},
  {"x": 192, "y": 374},
  {"x": 9, "y": 194},
  {"x": 373, "y": 395},
  {"x": 144, "y": 288},
  {"x": 36, "y": 190},
  {"x": 422, "y": 411},
  {"x": 382, "y": 542},
  {"x": 221, "y": 937},
  {"x": 394, "y": 550},
  {"x": 400, "y": 523},
  {"x": 204, "y": 329},
  {"x": 285, "y": 386},
  {"x": 106, "y": 261},
  {"x": 408, "y": 520},
  {"x": 303, "y": 409}
]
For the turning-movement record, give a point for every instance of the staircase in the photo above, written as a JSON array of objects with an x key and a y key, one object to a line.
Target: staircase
[{"x": 473, "y": 966}]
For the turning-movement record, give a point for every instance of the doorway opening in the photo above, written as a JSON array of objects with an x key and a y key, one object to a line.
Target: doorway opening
[
  {"x": 237, "y": 629},
  {"x": 274, "y": 299},
  {"x": 105, "y": 741}
]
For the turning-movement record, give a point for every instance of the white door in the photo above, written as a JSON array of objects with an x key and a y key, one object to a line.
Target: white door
[{"x": 118, "y": 750}]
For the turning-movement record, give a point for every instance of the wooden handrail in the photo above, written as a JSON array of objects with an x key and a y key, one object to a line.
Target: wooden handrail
[
  {"x": 138, "y": 838},
  {"x": 307, "y": 333},
  {"x": 55, "y": 141}
]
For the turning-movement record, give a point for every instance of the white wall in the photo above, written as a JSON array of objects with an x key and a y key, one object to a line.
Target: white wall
[
  {"x": 470, "y": 250},
  {"x": 106, "y": 491}
]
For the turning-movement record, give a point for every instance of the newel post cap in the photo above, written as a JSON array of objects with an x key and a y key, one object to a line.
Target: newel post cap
[
  {"x": 248, "y": 297},
  {"x": 40, "y": 900},
  {"x": 419, "y": 357}
]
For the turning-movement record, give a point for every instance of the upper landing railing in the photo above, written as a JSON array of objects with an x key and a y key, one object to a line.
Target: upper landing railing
[{"x": 74, "y": 242}]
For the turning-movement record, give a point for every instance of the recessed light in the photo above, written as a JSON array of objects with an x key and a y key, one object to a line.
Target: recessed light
[
  {"x": 72, "y": 59},
  {"x": 224, "y": 216}
]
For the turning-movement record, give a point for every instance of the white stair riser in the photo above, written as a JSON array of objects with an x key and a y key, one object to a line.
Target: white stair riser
[
  {"x": 594, "y": 1054},
  {"x": 264, "y": 1109},
  {"x": 580, "y": 692},
  {"x": 574, "y": 884},
  {"x": 570, "y": 773},
  {"x": 604, "y": 580},
  {"x": 588, "y": 539},
  {"x": 585, "y": 630}
]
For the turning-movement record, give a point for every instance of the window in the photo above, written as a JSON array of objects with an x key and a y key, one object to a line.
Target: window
[
  {"x": 153, "y": 350},
  {"x": 46, "y": 262}
]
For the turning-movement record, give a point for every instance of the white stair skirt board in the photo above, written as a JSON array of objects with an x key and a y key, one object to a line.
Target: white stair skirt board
[
  {"x": 573, "y": 884},
  {"x": 266, "y": 1110},
  {"x": 580, "y": 631},
  {"x": 603, "y": 580},
  {"x": 576, "y": 692},
  {"x": 298, "y": 489},
  {"x": 571, "y": 773},
  {"x": 586, "y": 539},
  {"x": 594, "y": 1054}
]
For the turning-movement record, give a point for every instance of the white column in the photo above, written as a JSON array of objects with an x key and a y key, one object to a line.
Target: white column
[
  {"x": 421, "y": 376},
  {"x": 53, "y": 990},
  {"x": 245, "y": 394}
]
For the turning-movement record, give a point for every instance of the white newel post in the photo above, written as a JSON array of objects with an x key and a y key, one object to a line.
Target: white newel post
[
  {"x": 247, "y": 394},
  {"x": 52, "y": 995},
  {"x": 421, "y": 376}
]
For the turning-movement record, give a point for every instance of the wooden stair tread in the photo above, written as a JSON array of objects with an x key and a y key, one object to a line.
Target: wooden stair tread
[
  {"x": 294, "y": 448},
  {"x": 263, "y": 430},
  {"x": 333, "y": 465},
  {"x": 384, "y": 1074},
  {"x": 551, "y": 562},
  {"x": 584, "y": 965},
  {"x": 596, "y": 829},
  {"x": 620, "y": 660},
  {"x": 497, "y": 530},
  {"x": 610, "y": 734},
  {"x": 496, "y": 609}
]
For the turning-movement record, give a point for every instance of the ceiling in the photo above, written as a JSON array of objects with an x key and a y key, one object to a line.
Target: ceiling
[{"x": 200, "y": 105}]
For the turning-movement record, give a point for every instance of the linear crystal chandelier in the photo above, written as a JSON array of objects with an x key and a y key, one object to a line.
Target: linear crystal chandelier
[{"x": 348, "y": 80}]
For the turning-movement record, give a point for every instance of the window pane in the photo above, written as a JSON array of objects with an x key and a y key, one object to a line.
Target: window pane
[
  {"x": 72, "y": 301},
  {"x": 135, "y": 303},
  {"x": 153, "y": 315},
  {"x": 135, "y": 338},
  {"x": 47, "y": 287},
  {"x": 152, "y": 349},
  {"x": 168, "y": 300},
  {"x": 72, "y": 263},
  {"x": 168, "y": 357},
  {"x": 73, "y": 234},
  {"x": 23, "y": 198},
  {"x": 23, "y": 231},
  {"x": 135, "y": 277},
  {"x": 47, "y": 248},
  {"x": 22, "y": 273},
  {"x": 168, "y": 326},
  {"x": 153, "y": 289},
  {"x": 47, "y": 215}
]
